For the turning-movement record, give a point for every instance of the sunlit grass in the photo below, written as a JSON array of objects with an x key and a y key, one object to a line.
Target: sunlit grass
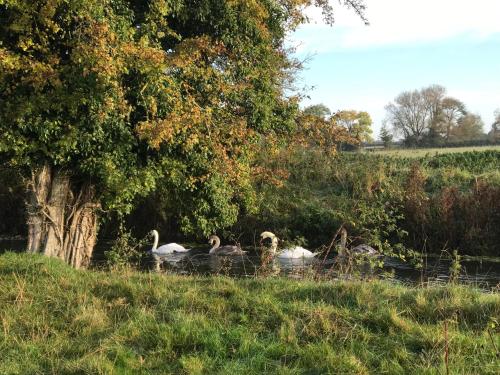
[
  {"x": 421, "y": 152},
  {"x": 58, "y": 320}
]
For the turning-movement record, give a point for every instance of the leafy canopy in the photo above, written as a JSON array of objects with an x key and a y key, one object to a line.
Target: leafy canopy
[
  {"x": 134, "y": 95},
  {"x": 358, "y": 124}
]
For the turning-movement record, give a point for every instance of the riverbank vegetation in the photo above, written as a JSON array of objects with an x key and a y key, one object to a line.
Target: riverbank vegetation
[
  {"x": 400, "y": 205},
  {"x": 430, "y": 203},
  {"x": 120, "y": 117},
  {"x": 59, "y": 320}
]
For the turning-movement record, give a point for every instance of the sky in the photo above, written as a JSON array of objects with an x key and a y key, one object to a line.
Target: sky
[{"x": 409, "y": 44}]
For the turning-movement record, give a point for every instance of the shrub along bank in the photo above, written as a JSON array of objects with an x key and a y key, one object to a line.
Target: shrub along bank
[
  {"x": 431, "y": 203},
  {"x": 428, "y": 204}
]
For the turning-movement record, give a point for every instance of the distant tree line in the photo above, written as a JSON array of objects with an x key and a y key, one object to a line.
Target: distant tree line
[
  {"x": 429, "y": 117},
  {"x": 351, "y": 127}
]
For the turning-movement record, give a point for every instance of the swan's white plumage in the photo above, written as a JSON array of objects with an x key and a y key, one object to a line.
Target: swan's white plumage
[
  {"x": 296, "y": 252},
  {"x": 166, "y": 249},
  {"x": 170, "y": 248}
]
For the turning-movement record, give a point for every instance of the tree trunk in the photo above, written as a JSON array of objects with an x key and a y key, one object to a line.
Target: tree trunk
[
  {"x": 61, "y": 223},
  {"x": 39, "y": 190}
]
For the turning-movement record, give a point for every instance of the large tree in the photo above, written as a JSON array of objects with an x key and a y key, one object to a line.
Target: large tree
[
  {"x": 103, "y": 100},
  {"x": 433, "y": 97},
  {"x": 468, "y": 128},
  {"x": 426, "y": 115},
  {"x": 357, "y": 124},
  {"x": 452, "y": 110},
  {"x": 409, "y": 116}
]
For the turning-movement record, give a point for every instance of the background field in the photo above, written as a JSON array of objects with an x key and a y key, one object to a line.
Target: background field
[{"x": 420, "y": 152}]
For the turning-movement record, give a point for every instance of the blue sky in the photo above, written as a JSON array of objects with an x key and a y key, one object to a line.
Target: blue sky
[{"x": 408, "y": 45}]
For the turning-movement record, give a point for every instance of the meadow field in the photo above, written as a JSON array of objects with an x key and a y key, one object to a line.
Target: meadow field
[
  {"x": 57, "y": 320},
  {"x": 422, "y": 152}
]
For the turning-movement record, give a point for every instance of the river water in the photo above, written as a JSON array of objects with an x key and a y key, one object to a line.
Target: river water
[{"x": 481, "y": 272}]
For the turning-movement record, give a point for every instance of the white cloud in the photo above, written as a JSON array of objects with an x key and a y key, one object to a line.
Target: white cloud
[{"x": 400, "y": 22}]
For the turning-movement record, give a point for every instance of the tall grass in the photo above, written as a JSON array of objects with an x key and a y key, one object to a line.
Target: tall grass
[{"x": 56, "y": 320}]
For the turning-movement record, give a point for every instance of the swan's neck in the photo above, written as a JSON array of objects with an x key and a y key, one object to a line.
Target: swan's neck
[
  {"x": 155, "y": 243},
  {"x": 343, "y": 240},
  {"x": 274, "y": 245},
  {"x": 215, "y": 246}
]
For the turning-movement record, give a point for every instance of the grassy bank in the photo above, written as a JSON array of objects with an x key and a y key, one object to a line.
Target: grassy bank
[{"x": 58, "y": 320}]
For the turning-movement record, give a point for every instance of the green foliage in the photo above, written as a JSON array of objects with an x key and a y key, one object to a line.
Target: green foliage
[
  {"x": 397, "y": 205},
  {"x": 128, "y": 96},
  {"x": 59, "y": 320},
  {"x": 358, "y": 124},
  {"x": 125, "y": 251},
  {"x": 319, "y": 110}
]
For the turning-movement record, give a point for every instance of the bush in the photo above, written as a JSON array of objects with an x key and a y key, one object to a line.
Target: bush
[{"x": 446, "y": 201}]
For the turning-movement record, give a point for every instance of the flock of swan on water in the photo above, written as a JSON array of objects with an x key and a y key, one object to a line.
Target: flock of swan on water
[{"x": 296, "y": 252}]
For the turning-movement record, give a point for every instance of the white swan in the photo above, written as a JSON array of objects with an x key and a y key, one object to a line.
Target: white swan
[
  {"x": 170, "y": 248},
  {"x": 296, "y": 252},
  {"x": 217, "y": 249}
]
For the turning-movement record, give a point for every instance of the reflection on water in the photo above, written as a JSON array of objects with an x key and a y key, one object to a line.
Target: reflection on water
[{"x": 481, "y": 272}]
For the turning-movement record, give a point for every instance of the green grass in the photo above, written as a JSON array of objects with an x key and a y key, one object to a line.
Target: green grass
[
  {"x": 421, "y": 152},
  {"x": 56, "y": 320}
]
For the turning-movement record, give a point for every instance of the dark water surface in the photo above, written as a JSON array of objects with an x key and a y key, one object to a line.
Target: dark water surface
[{"x": 481, "y": 272}]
